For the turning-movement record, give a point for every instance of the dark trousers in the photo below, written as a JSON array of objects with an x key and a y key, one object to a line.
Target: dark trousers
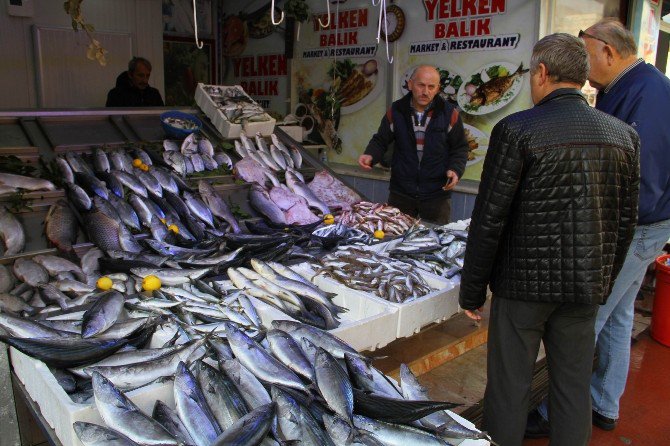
[
  {"x": 435, "y": 210},
  {"x": 515, "y": 331}
]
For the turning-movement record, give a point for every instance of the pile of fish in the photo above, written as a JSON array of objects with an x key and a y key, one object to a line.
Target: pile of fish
[
  {"x": 287, "y": 291},
  {"x": 439, "y": 250},
  {"x": 300, "y": 385},
  {"x": 10, "y": 183},
  {"x": 116, "y": 199},
  {"x": 370, "y": 217},
  {"x": 180, "y": 123},
  {"x": 290, "y": 203},
  {"x": 195, "y": 154},
  {"x": 367, "y": 271},
  {"x": 235, "y": 104},
  {"x": 333, "y": 192}
]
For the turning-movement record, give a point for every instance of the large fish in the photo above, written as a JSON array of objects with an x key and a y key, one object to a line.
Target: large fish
[
  {"x": 122, "y": 415},
  {"x": 11, "y": 232},
  {"x": 301, "y": 189},
  {"x": 251, "y": 389},
  {"x": 221, "y": 394},
  {"x": 65, "y": 352},
  {"x": 169, "y": 419},
  {"x": 334, "y": 193},
  {"x": 93, "y": 435},
  {"x": 60, "y": 226},
  {"x": 391, "y": 434},
  {"x": 250, "y": 430},
  {"x": 259, "y": 198},
  {"x": 192, "y": 408},
  {"x": 334, "y": 385},
  {"x": 24, "y": 182},
  {"x": 294, "y": 206},
  {"x": 30, "y": 272},
  {"x": 250, "y": 171},
  {"x": 102, "y": 315},
  {"x": 217, "y": 205},
  {"x": 6, "y": 279}
]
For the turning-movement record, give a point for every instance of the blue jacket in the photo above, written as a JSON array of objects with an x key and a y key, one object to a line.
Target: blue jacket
[
  {"x": 445, "y": 148},
  {"x": 641, "y": 98}
]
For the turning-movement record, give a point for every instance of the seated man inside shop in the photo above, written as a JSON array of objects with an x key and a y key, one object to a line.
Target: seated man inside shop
[
  {"x": 429, "y": 149},
  {"x": 132, "y": 87}
]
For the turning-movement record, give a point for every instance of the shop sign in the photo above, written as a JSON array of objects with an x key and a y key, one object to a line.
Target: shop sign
[
  {"x": 341, "y": 37},
  {"x": 260, "y": 74},
  {"x": 464, "y": 25}
]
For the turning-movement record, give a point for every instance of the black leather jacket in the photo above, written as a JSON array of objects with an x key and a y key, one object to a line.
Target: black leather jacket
[{"x": 556, "y": 208}]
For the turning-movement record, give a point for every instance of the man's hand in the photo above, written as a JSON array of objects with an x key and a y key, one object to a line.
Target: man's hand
[
  {"x": 365, "y": 161},
  {"x": 452, "y": 179},
  {"x": 474, "y": 314}
]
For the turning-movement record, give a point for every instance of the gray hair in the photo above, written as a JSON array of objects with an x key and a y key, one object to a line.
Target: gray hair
[
  {"x": 132, "y": 65},
  {"x": 612, "y": 31},
  {"x": 564, "y": 56}
]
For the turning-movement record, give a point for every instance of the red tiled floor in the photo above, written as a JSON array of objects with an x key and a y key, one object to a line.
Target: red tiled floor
[{"x": 645, "y": 405}]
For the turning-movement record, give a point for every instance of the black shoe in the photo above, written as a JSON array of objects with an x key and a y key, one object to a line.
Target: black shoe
[
  {"x": 536, "y": 426},
  {"x": 604, "y": 423}
]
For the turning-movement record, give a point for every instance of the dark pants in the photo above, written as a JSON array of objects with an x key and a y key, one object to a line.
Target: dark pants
[
  {"x": 435, "y": 210},
  {"x": 515, "y": 331}
]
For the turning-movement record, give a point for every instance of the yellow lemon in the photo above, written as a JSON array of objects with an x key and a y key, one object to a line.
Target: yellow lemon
[
  {"x": 144, "y": 167},
  {"x": 104, "y": 283},
  {"x": 151, "y": 283},
  {"x": 329, "y": 221},
  {"x": 378, "y": 234},
  {"x": 173, "y": 228},
  {"x": 164, "y": 221},
  {"x": 137, "y": 162}
]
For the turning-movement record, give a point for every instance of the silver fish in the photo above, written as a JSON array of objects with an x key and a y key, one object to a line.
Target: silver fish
[
  {"x": 261, "y": 201},
  {"x": 198, "y": 162},
  {"x": 260, "y": 362},
  {"x": 100, "y": 160},
  {"x": 217, "y": 205},
  {"x": 78, "y": 196},
  {"x": 192, "y": 408},
  {"x": 6, "y": 279},
  {"x": 198, "y": 208},
  {"x": 171, "y": 276},
  {"x": 11, "y": 232},
  {"x": 221, "y": 394},
  {"x": 334, "y": 385},
  {"x": 169, "y": 419},
  {"x": 89, "y": 261},
  {"x": 144, "y": 156},
  {"x": 278, "y": 157},
  {"x": 126, "y": 212},
  {"x": 65, "y": 170},
  {"x": 121, "y": 414},
  {"x": 170, "y": 146},
  {"x": 150, "y": 182},
  {"x": 103, "y": 314},
  {"x": 30, "y": 272},
  {"x": 93, "y": 435},
  {"x": 397, "y": 434},
  {"x": 131, "y": 182},
  {"x": 288, "y": 351},
  {"x": 24, "y": 182},
  {"x": 165, "y": 179},
  {"x": 222, "y": 158},
  {"x": 120, "y": 162},
  {"x": 251, "y": 389},
  {"x": 77, "y": 164},
  {"x": 301, "y": 189},
  {"x": 209, "y": 162},
  {"x": 249, "y": 430},
  {"x": 54, "y": 265}
]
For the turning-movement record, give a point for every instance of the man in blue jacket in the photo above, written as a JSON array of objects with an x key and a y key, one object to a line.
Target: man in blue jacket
[
  {"x": 429, "y": 148},
  {"x": 638, "y": 94}
]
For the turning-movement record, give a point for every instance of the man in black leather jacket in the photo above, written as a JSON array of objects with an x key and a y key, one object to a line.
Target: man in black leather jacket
[
  {"x": 552, "y": 222},
  {"x": 429, "y": 148}
]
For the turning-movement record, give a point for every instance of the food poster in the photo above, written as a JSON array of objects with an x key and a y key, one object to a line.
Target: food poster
[
  {"x": 339, "y": 75},
  {"x": 482, "y": 49},
  {"x": 254, "y": 53}
]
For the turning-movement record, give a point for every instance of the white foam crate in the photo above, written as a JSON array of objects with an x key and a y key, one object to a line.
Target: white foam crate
[
  {"x": 434, "y": 307},
  {"x": 225, "y": 127},
  {"x": 369, "y": 324},
  {"x": 58, "y": 409}
]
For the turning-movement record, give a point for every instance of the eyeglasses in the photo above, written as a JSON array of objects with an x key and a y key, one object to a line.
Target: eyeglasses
[{"x": 582, "y": 34}]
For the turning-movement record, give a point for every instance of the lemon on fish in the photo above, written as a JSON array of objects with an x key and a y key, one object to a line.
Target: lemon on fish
[
  {"x": 137, "y": 162},
  {"x": 144, "y": 167},
  {"x": 151, "y": 283},
  {"x": 328, "y": 219},
  {"x": 104, "y": 283},
  {"x": 379, "y": 234},
  {"x": 164, "y": 221},
  {"x": 173, "y": 228}
]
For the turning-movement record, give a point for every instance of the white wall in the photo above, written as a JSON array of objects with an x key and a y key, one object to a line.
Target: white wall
[{"x": 142, "y": 19}]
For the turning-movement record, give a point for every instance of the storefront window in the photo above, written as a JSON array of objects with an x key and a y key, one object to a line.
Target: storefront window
[{"x": 569, "y": 16}]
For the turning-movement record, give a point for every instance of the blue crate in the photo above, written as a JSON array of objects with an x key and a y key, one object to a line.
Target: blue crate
[{"x": 177, "y": 133}]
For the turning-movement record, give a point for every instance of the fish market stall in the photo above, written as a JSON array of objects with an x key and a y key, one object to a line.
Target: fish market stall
[{"x": 193, "y": 249}]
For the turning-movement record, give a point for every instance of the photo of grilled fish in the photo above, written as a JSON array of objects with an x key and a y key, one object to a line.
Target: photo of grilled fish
[{"x": 490, "y": 88}]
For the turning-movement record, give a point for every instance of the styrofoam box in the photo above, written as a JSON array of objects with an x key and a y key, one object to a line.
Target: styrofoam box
[
  {"x": 225, "y": 127},
  {"x": 434, "y": 307},
  {"x": 60, "y": 411},
  {"x": 369, "y": 324}
]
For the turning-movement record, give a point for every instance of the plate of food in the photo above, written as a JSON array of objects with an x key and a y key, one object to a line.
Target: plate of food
[
  {"x": 357, "y": 84},
  {"x": 490, "y": 88},
  {"x": 478, "y": 144},
  {"x": 450, "y": 82}
]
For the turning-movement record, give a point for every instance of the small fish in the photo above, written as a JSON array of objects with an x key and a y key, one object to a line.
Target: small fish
[{"x": 11, "y": 233}]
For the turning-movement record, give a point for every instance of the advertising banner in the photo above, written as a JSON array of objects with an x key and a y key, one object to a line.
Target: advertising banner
[
  {"x": 254, "y": 53},
  {"x": 482, "y": 49}
]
